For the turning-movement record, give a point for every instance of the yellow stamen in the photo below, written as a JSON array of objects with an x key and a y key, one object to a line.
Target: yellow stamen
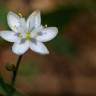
[
  {"x": 20, "y": 14},
  {"x": 46, "y": 26}
]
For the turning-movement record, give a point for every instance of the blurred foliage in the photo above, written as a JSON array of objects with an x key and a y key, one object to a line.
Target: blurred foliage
[
  {"x": 5, "y": 89},
  {"x": 61, "y": 19},
  {"x": 3, "y": 16},
  {"x": 29, "y": 68},
  {"x": 3, "y": 20}
]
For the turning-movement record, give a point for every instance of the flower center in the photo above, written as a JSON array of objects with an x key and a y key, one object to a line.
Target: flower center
[{"x": 28, "y": 35}]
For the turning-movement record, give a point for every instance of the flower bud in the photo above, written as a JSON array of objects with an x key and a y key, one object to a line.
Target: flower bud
[{"x": 10, "y": 67}]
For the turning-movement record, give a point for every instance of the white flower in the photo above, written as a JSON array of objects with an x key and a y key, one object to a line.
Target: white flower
[{"x": 28, "y": 34}]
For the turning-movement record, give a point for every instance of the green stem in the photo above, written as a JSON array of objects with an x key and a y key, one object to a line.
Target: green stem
[
  {"x": 16, "y": 71},
  {"x": 14, "y": 76}
]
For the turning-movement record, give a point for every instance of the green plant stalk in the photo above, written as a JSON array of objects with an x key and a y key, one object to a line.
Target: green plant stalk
[
  {"x": 14, "y": 76},
  {"x": 16, "y": 71}
]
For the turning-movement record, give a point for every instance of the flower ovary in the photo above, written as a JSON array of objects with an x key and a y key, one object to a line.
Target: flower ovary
[{"x": 28, "y": 36}]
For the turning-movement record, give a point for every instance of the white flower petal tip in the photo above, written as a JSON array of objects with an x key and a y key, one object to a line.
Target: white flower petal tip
[
  {"x": 34, "y": 20},
  {"x": 48, "y": 34},
  {"x": 36, "y": 13},
  {"x": 13, "y": 21},
  {"x": 16, "y": 22},
  {"x": 19, "y": 48},
  {"x": 39, "y": 48},
  {"x": 8, "y": 36},
  {"x": 11, "y": 13}
]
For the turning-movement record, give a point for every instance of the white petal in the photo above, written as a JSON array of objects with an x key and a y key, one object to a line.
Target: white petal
[
  {"x": 23, "y": 27},
  {"x": 15, "y": 22},
  {"x": 34, "y": 32},
  {"x": 34, "y": 20},
  {"x": 38, "y": 29},
  {"x": 20, "y": 48},
  {"x": 8, "y": 36},
  {"x": 47, "y": 34},
  {"x": 39, "y": 48}
]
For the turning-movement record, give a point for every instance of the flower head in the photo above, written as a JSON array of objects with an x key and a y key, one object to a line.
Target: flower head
[{"x": 28, "y": 33}]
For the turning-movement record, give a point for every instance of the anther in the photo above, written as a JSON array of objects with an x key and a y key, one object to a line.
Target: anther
[
  {"x": 20, "y": 14},
  {"x": 46, "y": 26}
]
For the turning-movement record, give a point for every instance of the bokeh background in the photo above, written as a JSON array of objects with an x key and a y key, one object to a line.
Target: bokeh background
[{"x": 70, "y": 68}]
